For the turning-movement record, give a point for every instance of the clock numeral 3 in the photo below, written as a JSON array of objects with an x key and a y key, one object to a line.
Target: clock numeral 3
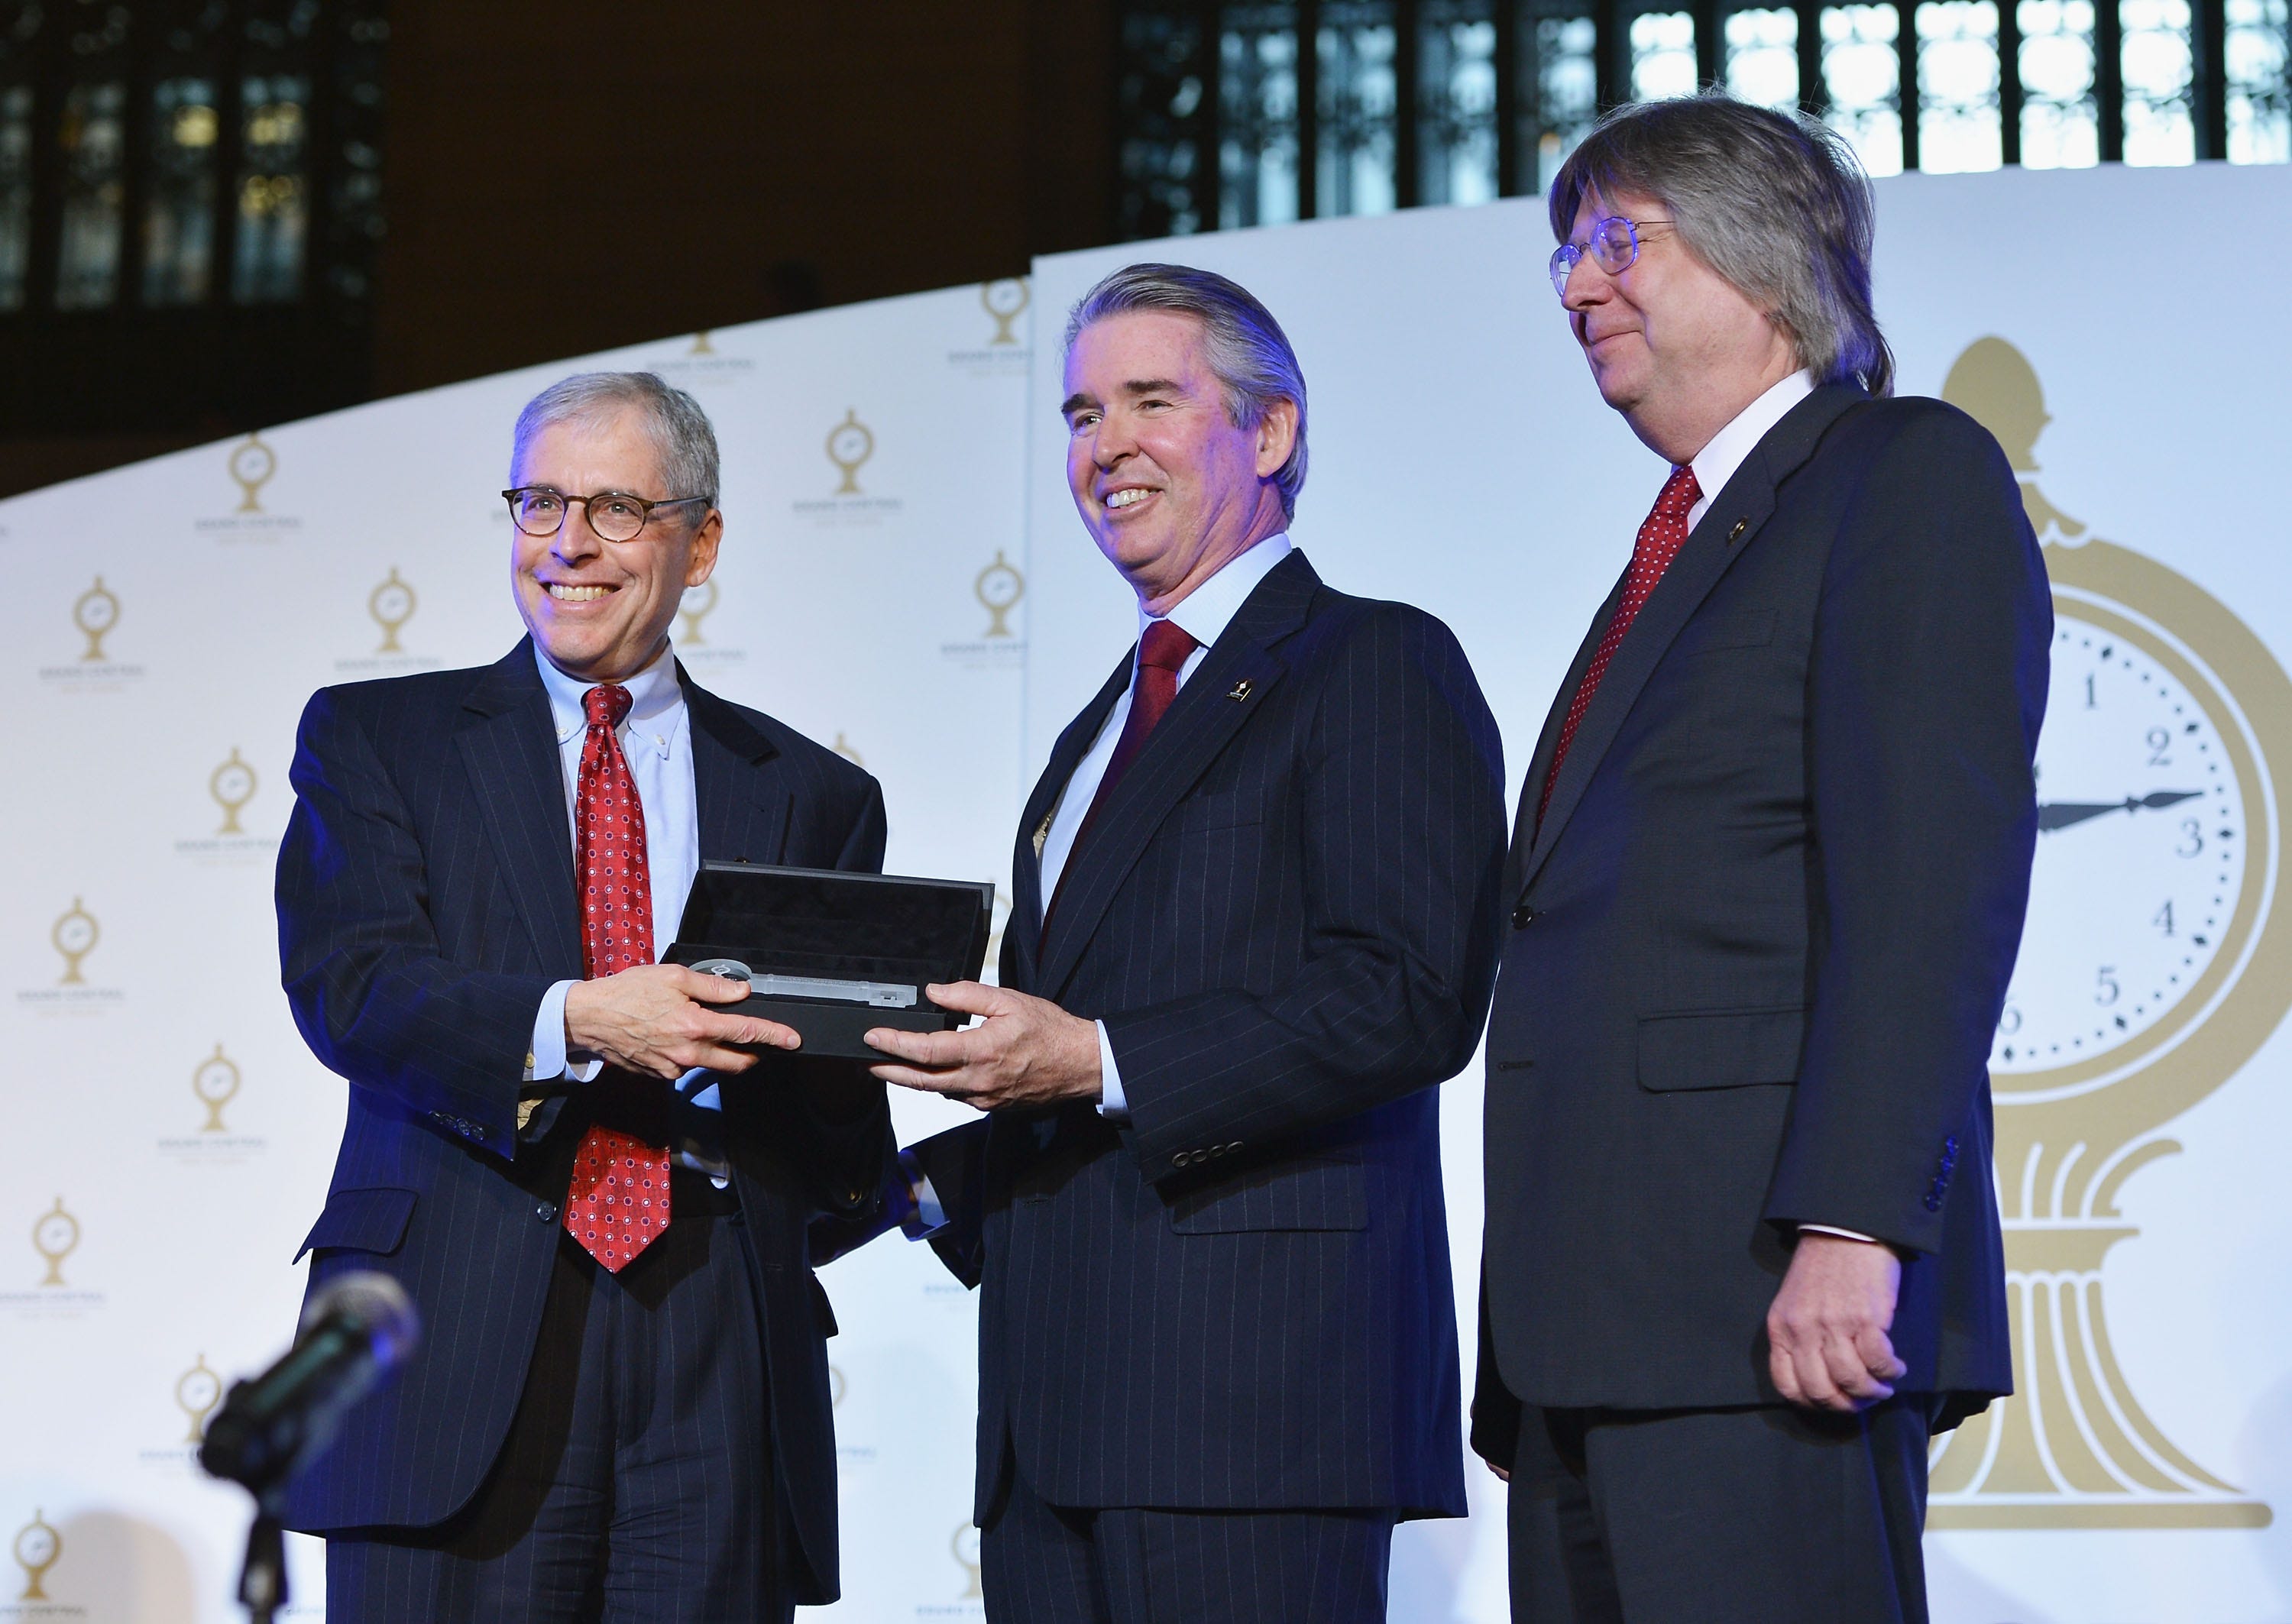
[{"x": 2192, "y": 836}]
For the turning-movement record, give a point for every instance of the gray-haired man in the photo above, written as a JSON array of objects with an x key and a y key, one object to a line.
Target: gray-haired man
[
  {"x": 1764, "y": 893},
  {"x": 1255, "y": 924},
  {"x": 597, "y": 1197}
]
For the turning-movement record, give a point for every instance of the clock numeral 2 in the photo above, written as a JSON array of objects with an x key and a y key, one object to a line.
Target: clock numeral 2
[{"x": 2158, "y": 739}]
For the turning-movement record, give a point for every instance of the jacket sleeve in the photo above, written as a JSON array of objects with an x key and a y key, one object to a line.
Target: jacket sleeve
[
  {"x": 1926, "y": 690},
  {"x": 1400, "y": 835},
  {"x": 374, "y": 996}
]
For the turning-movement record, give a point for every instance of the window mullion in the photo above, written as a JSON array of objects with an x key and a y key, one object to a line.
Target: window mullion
[
  {"x": 2009, "y": 82},
  {"x": 2109, "y": 78},
  {"x": 2211, "y": 86},
  {"x": 1906, "y": 49}
]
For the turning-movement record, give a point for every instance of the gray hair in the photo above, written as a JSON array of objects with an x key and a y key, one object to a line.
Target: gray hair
[
  {"x": 1778, "y": 205},
  {"x": 1247, "y": 352},
  {"x": 673, "y": 421}
]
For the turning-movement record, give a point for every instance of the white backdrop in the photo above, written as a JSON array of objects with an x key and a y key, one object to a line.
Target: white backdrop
[{"x": 1460, "y": 460}]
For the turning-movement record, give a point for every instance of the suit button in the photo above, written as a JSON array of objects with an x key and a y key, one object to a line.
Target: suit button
[
  {"x": 1235, "y": 1145},
  {"x": 1181, "y": 1159},
  {"x": 545, "y": 1212},
  {"x": 1521, "y": 915}
]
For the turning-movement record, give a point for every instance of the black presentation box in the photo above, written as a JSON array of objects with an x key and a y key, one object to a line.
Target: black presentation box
[{"x": 833, "y": 954}]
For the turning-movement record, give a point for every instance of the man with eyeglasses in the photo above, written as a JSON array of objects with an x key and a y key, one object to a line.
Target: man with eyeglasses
[
  {"x": 595, "y": 1185},
  {"x": 1766, "y": 884}
]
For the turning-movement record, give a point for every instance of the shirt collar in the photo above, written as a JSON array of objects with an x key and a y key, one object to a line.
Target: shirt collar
[
  {"x": 1717, "y": 461},
  {"x": 656, "y": 700},
  {"x": 1204, "y": 613}
]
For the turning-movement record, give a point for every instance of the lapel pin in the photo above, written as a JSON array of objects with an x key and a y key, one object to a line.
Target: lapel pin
[
  {"x": 1736, "y": 535},
  {"x": 1240, "y": 690}
]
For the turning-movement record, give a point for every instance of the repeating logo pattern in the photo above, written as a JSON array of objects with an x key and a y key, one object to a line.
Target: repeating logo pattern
[{"x": 55, "y": 1237}]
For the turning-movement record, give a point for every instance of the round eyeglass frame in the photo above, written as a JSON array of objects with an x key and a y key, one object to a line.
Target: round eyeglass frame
[
  {"x": 645, "y": 509},
  {"x": 1611, "y": 257}
]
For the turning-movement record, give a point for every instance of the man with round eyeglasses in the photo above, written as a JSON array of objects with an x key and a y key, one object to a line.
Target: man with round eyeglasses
[
  {"x": 1742, "y": 1256},
  {"x": 596, "y": 1184}
]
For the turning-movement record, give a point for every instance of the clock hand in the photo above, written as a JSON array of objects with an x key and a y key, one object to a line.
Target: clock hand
[{"x": 2062, "y": 814}]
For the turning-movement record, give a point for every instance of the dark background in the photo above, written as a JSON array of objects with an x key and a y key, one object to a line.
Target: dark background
[{"x": 561, "y": 176}]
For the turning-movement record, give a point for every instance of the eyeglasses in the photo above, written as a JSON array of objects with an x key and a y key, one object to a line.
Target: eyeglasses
[
  {"x": 616, "y": 516},
  {"x": 1614, "y": 246}
]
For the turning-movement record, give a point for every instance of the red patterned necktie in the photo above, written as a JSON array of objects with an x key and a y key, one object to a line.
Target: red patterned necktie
[
  {"x": 619, "y": 1198},
  {"x": 1662, "y": 535},
  {"x": 1162, "y": 654}
]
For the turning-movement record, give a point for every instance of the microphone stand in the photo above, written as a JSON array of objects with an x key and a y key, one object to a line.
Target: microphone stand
[{"x": 263, "y": 1576}]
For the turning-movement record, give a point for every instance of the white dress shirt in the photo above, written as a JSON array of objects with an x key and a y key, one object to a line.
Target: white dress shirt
[
  {"x": 1203, "y": 615},
  {"x": 1717, "y": 461},
  {"x": 656, "y": 738}
]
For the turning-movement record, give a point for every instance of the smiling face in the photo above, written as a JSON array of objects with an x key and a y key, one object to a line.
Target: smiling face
[
  {"x": 600, "y": 610},
  {"x": 1169, "y": 488},
  {"x": 1674, "y": 346}
]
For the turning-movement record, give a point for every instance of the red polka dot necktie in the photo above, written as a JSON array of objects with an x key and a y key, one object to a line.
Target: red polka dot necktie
[
  {"x": 619, "y": 1198},
  {"x": 1162, "y": 655},
  {"x": 1662, "y": 535}
]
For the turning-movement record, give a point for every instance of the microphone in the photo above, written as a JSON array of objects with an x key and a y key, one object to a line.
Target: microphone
[{"x": 357, "y": 1330}]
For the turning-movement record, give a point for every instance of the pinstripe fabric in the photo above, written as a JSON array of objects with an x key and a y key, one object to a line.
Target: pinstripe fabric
[
  {"x": 1763, "y": 930},
  {"x": 1044, "y": 1564},
  {"x": 637, "y": 1433},
  {"x": 1240, "y": 1298},
  {"x": 425, "y": 903}
]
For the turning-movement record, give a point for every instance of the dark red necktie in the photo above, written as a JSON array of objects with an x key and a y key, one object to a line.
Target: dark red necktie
[
  {"x": 1662, "y": 535},
  {"x": 1162, "y": 654},
  {"x": 619, "y": 1198}
]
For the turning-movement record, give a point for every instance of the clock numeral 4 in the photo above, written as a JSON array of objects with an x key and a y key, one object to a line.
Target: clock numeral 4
[{"x": 2164, "y": 920}]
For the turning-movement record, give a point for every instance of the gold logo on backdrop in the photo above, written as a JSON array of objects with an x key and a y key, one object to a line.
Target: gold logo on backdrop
[
  {"x": 55, "y": 1237},
  {"x": 850, "y": 444},
  {"x": 197, "y": 1391},
  {"x": 963, "y": 1545},
  {"x": 1005, "y": 300},
  {"x": 2154, "y": 963},
  {"x": 252, "y": 464},
  {"x": 696, "y": 605},
  {"x": 843, "y": 747},
  {"x": 38, "y": 1547},
  {"x": 95, "y": 612},
  {"x": 999, "y": 588},
  {"x": 215, "y": 1081},
  {"x": 75, "y": 935},
  {"x": 232, "y": 784},
  {"x": 392, "y": 604},
  {"x": 836, "y": 1387},
  {"x": 700, "y": 343}
]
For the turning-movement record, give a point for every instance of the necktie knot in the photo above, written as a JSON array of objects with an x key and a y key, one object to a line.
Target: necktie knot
[
  {"x": 1680, "y": 494},
  {"x": 605, "y": 704},
  {"x": 1166, "y": 646}
]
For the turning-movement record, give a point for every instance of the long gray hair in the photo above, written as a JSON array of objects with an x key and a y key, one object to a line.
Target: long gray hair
[
  {"x": 679, "y": 430},
  {"x": 1246, "y": 348},
  {"x": 1778, "y": 206}
]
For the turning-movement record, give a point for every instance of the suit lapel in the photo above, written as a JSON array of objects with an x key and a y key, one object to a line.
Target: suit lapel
[
  {"x": 743, "y": 806},
  {"x": 1730, "y": 525},
  {"x": 1539, "y": 764},
  {"x": 508, "y": 747},
  {"x": 1025, "y": 926},
  {"x": 1227, "y": 689}
]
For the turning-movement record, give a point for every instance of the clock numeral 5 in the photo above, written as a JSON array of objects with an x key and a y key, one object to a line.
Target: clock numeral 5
[{"x": 2105, "y": 987}]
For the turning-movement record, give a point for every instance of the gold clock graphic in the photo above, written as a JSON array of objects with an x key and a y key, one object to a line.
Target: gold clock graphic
[
  {"x": 2155, "y": 961},
  {"x": 1005, "y": 300},
  {"x": 392, "y": 604},
  {"x": 963, "y": 1545},
  {"x": 216, "y": 1083},
  {"x": 850, "y": 444},
  {"x": 696, "y": 605},
  {"x": 999, "y": 588},
  {"x": 252, "y": 464},
  {"x": 95, "y": 612},
  {"x": 75, "y": 935},
  {"x": 197, "y": 1391},
  {"x": 55, "y": 1235},
  {"x": 232, "y": 784},
  {"x": 38, "y": 1547}
]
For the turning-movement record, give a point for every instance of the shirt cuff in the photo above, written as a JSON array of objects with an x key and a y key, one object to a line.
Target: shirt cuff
[
  {"x": 1111, "y": 1100},
  {"x": 548, "y": 1060},
  {"x": 921, "y": 1214},
  {"x": 1833, "y": 1229}
]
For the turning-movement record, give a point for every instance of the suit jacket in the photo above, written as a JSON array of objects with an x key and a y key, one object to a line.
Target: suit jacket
[
  {"x": 425, "y": 904},
  {"x": 1760, "y": 943},
  {"x": 1286, "y": 914}
]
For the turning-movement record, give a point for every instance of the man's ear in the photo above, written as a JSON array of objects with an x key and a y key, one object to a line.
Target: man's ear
[
  {"x": 1277, "y": 437},
  {"x": 705, "y": 541}
]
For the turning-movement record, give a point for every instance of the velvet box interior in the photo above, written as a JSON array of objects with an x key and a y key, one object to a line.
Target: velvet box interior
[{"x": 835, "y": 954}]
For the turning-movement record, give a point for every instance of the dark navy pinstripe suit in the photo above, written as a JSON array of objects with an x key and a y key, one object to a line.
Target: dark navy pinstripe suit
[
  {"x": 425, "y": 904},
  {"x": 1286, "y": 914}
]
